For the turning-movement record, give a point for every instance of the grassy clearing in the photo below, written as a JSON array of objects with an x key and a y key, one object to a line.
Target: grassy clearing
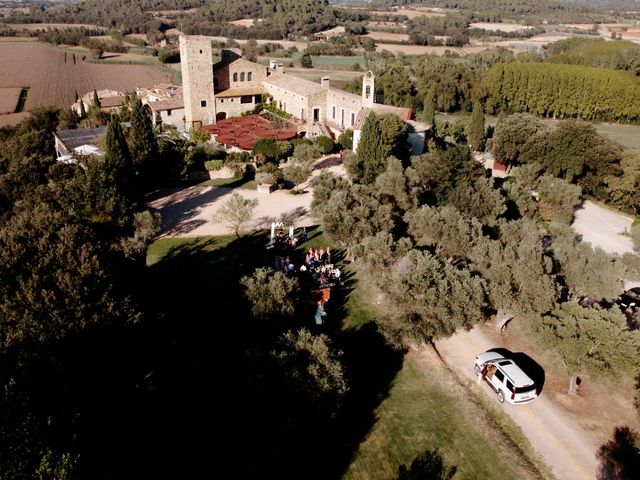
[{"x": 421, "y": 413}]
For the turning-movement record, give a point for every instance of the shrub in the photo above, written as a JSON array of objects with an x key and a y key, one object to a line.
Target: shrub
[
  {"x": 266, "y": 178},
  {"x": 166, "y": 55},
  {"x": 306, "y": 153},
  {"x": 213, "y": 164},
  {"x": 267, "y": 149},
  {"x": 325, "y": 144},
  {"x": 346, "y": 139}
]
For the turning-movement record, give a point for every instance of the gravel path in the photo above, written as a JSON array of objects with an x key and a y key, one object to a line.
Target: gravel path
[
  {"x": 564, "y": 446},
  {"x": 189, "y": 212},
  {"x": 604, "y": 228}
]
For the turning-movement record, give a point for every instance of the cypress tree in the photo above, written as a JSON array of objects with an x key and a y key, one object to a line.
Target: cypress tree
[
  {"x": 83, "y": 112},
  {"x": 475, "y": 128},
  {"x": 142, "y": 138},
  {"x": 371, "y": 151},
  {"x": 429, "y": 110},
  {"x": 96, "y": 99},
  {"x": 76, "y": 95}
]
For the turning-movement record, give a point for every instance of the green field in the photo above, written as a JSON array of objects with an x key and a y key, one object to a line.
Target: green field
[
  {"x": 626, "y": 135},
  {"x": 397, "y": 408}
]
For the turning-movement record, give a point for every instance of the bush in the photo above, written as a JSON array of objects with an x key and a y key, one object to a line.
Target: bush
[
  {"x": 166, "y": 55},
  {"x": 213, "y": 165},
  {"x": 267, "y": 149},
  {"x": 307, "y": 153},
  {"x": 325, "y": 144},
  {"x": 266, "y": 178},
  {"x": 346, "y": 139}
]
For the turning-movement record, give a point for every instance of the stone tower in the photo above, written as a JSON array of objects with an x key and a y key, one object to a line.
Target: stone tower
[
  {"x": 197, "y": 81},
  {"x": 368, "y": 89}
]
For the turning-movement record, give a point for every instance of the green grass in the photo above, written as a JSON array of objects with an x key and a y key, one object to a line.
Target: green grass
[
  {"x": 320, "y": 61},
  {"x": 236, "y": 182},
  {"x": 419, "y": 414}
]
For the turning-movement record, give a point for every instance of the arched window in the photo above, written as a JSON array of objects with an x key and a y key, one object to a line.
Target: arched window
[
  {"x": 367, "y": 91},
  {"x": 235, "y": 77},
  {"x": 242, "y": 77},
  {"x": 249, "y": 76}
]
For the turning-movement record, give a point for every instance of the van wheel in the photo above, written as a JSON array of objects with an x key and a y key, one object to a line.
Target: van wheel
[
  {"x": 476, "y": 370},
  {"x": 500, "y": 396}
]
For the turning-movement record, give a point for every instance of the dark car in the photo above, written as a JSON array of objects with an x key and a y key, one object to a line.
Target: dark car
[{"x": 630, "y": 299}]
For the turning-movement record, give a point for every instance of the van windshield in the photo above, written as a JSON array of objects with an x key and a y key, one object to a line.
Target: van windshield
[{"x": 524, "y": 389}]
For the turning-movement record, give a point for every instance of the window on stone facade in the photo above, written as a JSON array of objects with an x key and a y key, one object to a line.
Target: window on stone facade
[
  {"x": 200, "y": 51},
  {"x": 246, "y": 99},
  {"x": 235, "y": 77},
  {"x": 168, "y": 113},
  {"x": 353, "y": 118},
  {"x": 333, "y": 112},
  {"x": 203, "y": 103},
  {"x": 242, "y": 77},
  {"x": 367, "y": 91},
  {"x": 249, "y": 76}
]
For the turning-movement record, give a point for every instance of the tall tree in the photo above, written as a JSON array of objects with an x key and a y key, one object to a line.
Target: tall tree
[
  {"x": 475, "y": 127},
  {"x": 83, "y": 111},
  {"x": 96, "y": 99},
  {"x": 511, "y": 136},
  {"x": 142, "y": 138},
  {"x": 371, "y": 154}
]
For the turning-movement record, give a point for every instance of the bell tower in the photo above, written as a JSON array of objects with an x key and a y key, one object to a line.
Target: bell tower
[
  {"x": 368, "y": 89},
  {"x": 197, "y": 81}
]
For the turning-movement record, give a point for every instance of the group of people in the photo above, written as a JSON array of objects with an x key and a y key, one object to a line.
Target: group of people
[{"x": 317, "y": 274}]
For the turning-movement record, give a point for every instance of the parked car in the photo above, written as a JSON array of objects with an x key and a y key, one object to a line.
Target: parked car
[
  {"x": 630, "y": 299},
  {"x": 505, "y": 377}
]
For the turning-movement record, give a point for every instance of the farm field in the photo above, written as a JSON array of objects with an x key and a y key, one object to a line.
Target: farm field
[
  {"x": 429, "y": 50},
  {"x": 53, "y": 78},
  {"x": 499, "y": 27},
  {"x": 48, "y": 26},
  {"x": 408, "y": 12},
  {"x": 9, "y": 99},
  {"x": 388, "y": 36}
]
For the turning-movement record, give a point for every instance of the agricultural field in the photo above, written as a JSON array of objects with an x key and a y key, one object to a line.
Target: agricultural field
[
  {"x": 387, "y": 36},
  {"x": 9, "y": 99},
  {"x": 499, "y": 27},
  {"x": 53, "y": 77},
  {"x": 49, "y": 26},
  {"x": 411, "y": 13}
]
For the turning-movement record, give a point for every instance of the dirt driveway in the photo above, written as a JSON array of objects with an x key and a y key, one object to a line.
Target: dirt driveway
[
  {"x": 604, "y": 228},
  {"x": 564, "y": 446},
  {"x": 189, "y": 212}
]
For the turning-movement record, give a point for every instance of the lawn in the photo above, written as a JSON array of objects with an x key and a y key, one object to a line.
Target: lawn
[
  {"x": 245, "y": 183},
  {"x": 396, "y": 408}
]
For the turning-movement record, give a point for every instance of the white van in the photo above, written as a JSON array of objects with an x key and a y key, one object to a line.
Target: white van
[{"x": 505, "y": 377}]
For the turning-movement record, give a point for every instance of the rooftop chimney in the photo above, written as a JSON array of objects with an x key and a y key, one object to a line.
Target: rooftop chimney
[{"x": 325, "y": 82}]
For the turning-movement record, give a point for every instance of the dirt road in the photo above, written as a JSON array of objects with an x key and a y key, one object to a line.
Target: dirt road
[
  {"x": 604, "y": 228},
  {"x": 565, "y": 447}
]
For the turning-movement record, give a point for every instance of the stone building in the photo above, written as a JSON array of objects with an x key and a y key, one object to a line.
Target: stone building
[{"x": 235, "y": 85}]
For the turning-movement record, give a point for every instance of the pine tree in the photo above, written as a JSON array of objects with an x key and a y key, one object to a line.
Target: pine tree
[
  {"x": 142, "y": 139},
  {"x": 475, "y": 128},
  {"x": 96, "y": 99},
  {"x": 76, "y": 96}
]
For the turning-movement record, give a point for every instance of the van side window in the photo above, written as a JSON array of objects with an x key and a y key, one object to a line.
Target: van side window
[
  {"x": 499, "y": 375},
  {"x": 510, "y": 386}
]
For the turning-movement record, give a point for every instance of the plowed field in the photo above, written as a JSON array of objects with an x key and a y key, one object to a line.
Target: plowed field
[{"x": 53, "y": 77}]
